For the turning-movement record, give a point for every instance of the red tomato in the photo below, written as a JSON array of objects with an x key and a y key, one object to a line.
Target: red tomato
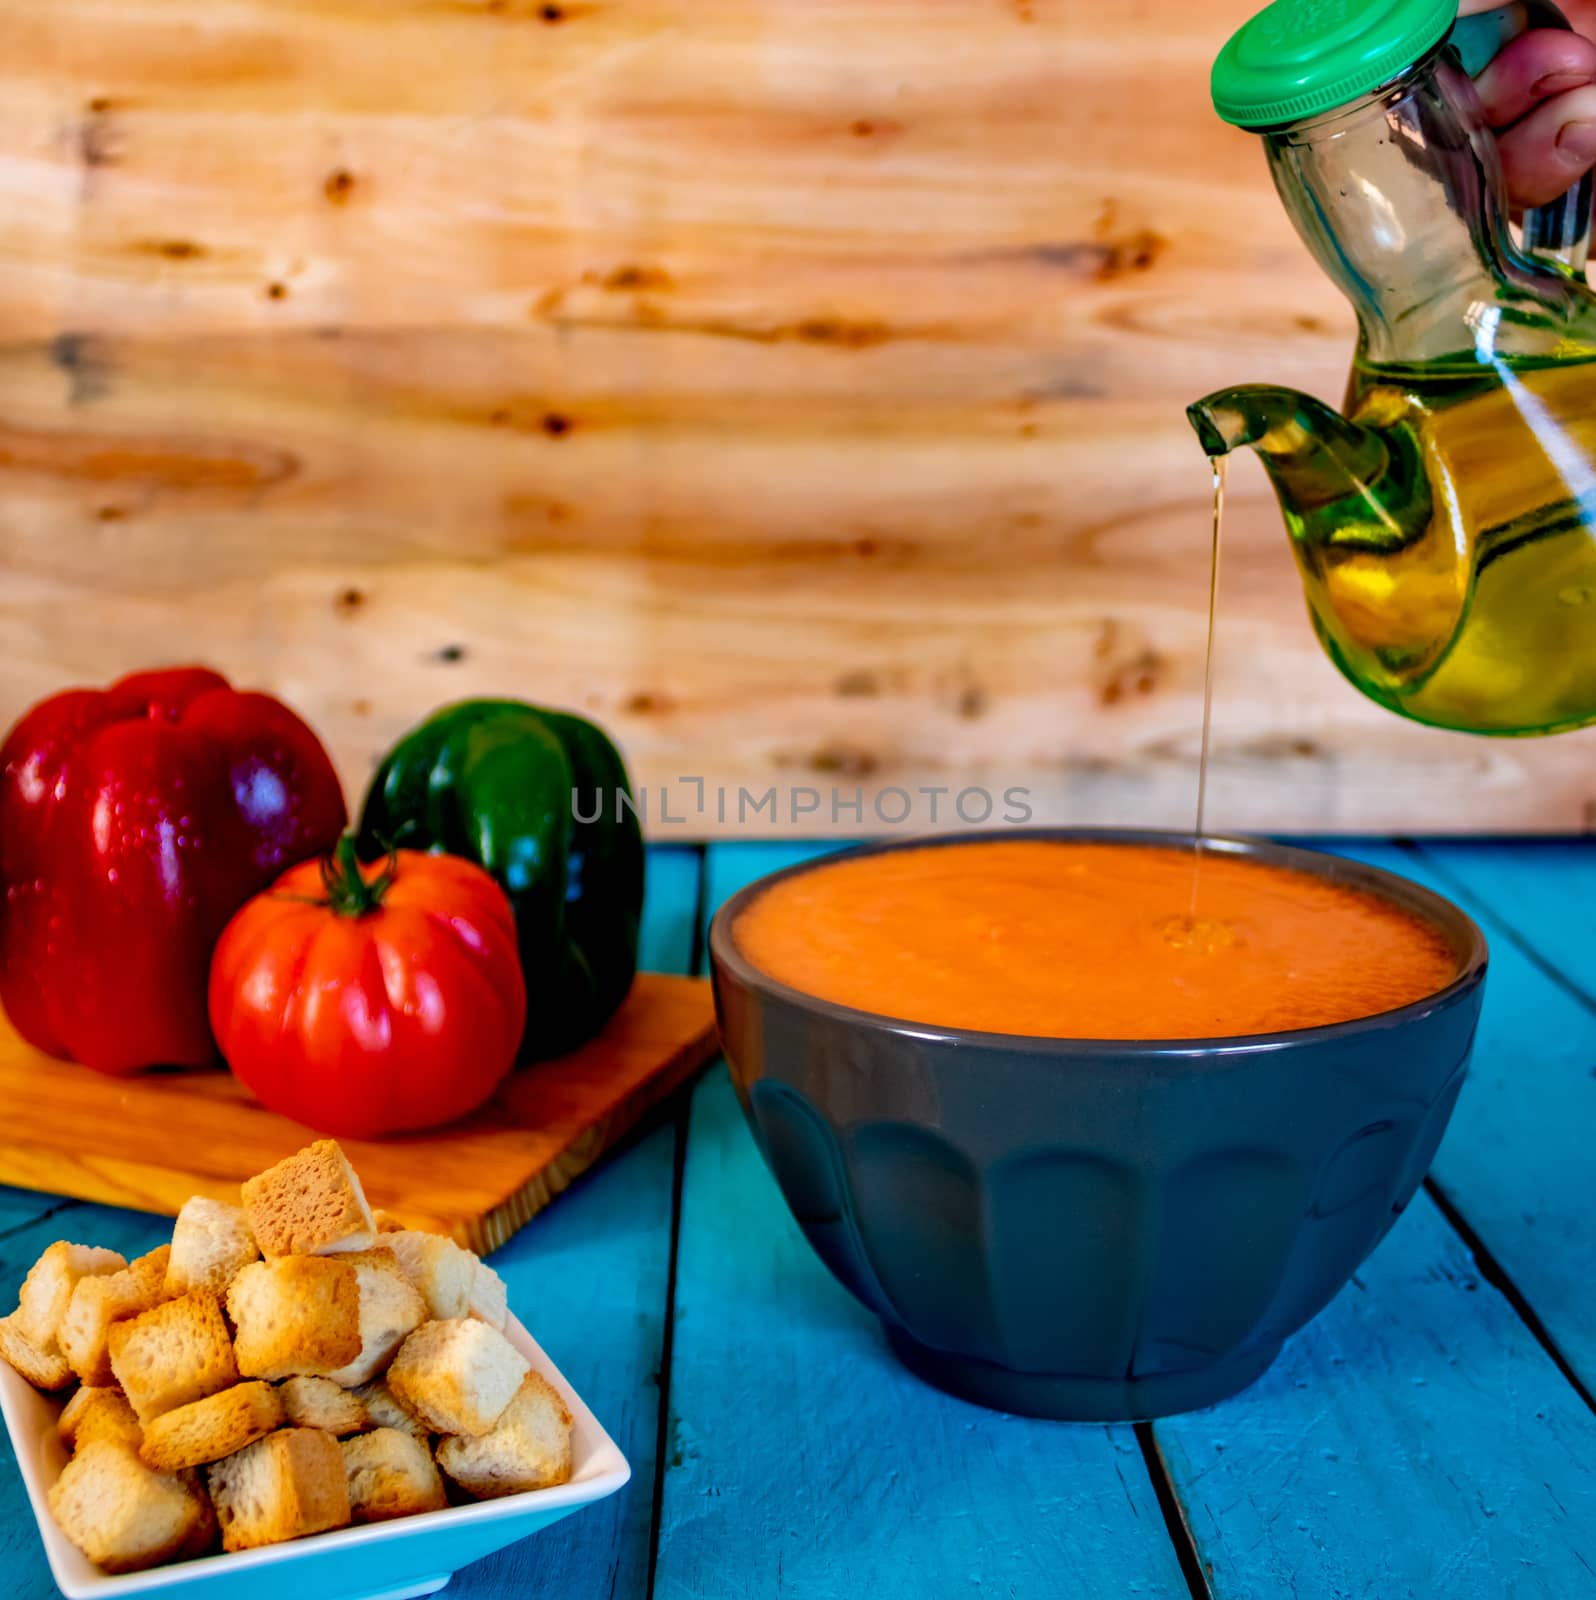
[{"x": 369, "y": 1000}]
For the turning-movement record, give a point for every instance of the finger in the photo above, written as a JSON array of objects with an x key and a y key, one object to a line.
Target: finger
[
  {"x": 1581, "y": 14},
  {"x": 1531, "y": 69},
  {"x": 1551, "y": 149}
]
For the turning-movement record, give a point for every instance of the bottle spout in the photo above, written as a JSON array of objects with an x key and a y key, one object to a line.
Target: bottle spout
[
  {"x": 1357, "y": 506},
  {"x": 1222, "y": 425},
  {"x": 1313, "y": 455},
  {"x": 1269, "y": 419}
]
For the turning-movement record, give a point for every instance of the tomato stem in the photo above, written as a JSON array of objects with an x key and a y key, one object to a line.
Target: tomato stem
[{"x": 348, "y": 892}]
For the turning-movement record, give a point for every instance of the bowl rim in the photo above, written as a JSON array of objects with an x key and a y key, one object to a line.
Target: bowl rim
[
  {"x": 1460, "y": 928},
  {"x": 601, "y": 1472}
]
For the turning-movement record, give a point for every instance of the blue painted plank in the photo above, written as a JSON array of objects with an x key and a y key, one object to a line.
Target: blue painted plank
[
  {"x": 1517, "y": 1162},
  {"x": 19, "y": 1207},
  {"x": 1544, "y": 890},
  {"x": 131, "y": 1232},
  {"x": 670, "y": 909},
  {"x": 588, "y": 1276},
  {"x": 803, "y": 1460},
  {"x": 1413, "y": 1443}
]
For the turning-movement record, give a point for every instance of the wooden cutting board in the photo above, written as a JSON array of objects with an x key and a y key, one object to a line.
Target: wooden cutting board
[{"x": 152, "y": 1141}]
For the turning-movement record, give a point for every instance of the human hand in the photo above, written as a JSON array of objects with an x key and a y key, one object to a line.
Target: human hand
[{"x": 1539, "y": 95}]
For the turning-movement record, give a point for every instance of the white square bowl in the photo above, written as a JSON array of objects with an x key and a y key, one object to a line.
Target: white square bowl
[{"x": 380, "y": 1561}]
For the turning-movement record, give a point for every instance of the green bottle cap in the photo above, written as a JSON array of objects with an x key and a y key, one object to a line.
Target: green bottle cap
[{"x": 1300, "y": 57}]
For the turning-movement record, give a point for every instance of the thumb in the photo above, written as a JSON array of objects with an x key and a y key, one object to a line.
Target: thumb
[{"x": 1551, "y": 149}]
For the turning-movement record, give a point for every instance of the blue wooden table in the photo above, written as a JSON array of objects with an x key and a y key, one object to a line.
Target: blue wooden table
[{"x": 1432, "y": 1435}]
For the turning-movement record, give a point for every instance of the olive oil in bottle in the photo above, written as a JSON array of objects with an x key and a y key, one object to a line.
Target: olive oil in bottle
[{"x": 1464, "y": 593}]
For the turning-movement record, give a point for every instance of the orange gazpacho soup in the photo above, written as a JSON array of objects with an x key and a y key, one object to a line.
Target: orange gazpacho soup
[{"x": 1081, "y": 940}]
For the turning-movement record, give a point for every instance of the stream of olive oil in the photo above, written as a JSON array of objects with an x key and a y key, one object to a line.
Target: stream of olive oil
[{"x": 1217, "y": 465}]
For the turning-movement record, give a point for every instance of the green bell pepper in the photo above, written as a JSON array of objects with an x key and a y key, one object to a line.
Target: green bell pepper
[{"x": 508, "y": 786}]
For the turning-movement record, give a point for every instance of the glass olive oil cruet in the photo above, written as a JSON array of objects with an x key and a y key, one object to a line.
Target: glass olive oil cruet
[{"x": 1445, "y": 527}]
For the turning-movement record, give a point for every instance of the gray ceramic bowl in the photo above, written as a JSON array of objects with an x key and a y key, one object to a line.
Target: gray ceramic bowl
[{"x": 1090, "y": 1229}]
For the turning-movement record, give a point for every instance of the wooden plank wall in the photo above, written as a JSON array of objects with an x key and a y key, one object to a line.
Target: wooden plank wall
[{"x": 794, "y": 384}]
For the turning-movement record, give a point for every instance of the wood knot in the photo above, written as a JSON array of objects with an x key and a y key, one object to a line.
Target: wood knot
[
  {"x": 1136, "y": 252},
  {"x": 83, "y": 358},
  {"x": 848, "y": 761},
  {"x": 1106, "y": 256},
  {"x": 1138, "y": 674},
  {"x": 845, "y": 335},
  {"x": 556, "y": 424},
  {"x": 857, "y": 685},
  {"x": 175, "y": 249},
  {"x": 96, "y": 140},
  {"x": 972, "y": 702},
  {"x": 1282, "y": 747},
  {"x": 276, "y": 291},
  {"x": 348, "y": 601},
  {"x": 450, "y": 654},
  {"x": 338, "y": 186},
  {"x": 883, "y": 547},
  {"x": 636, "y": 277}
]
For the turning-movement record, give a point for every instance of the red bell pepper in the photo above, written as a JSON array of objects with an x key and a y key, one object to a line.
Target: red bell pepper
[{"x": 134, "y": 821}]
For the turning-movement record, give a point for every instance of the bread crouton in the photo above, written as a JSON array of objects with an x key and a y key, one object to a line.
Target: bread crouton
[
  {"x": 150, "y": 1268},
  {"x": 391, "y": 1474},
  {"x": 490, "y": 1300},
  {"x": 48, "y": 1287},
  {"x": 309, "y": 1204},
  {"x": 98, "y": 1413},
  {"x": 443, "y": 1271},
  {"x": 391, "y": 1308},
  {"x": 97, "y": 1302},
  {"x": 457, "y": 1376},
  {"x": 296, "y": 1316},
  {"x": 123, "y": 1516},
  {"x": 211, "y": 1241},
  {"x": 44, "y": 1369},
  {"x": 287, "y": 1485},
  {"x": 206, "y": 1430},
  {"x": 529, "y": 1449},
  {"x": 385, "y": 1409},
  {"x": 171, "y": 1354},
  {"x": 321, "y": 1403},
  {"x": 386, "y": 1221}
]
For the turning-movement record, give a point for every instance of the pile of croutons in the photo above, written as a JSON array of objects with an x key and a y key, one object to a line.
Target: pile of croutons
[{"x": 285, "y": 1366}]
